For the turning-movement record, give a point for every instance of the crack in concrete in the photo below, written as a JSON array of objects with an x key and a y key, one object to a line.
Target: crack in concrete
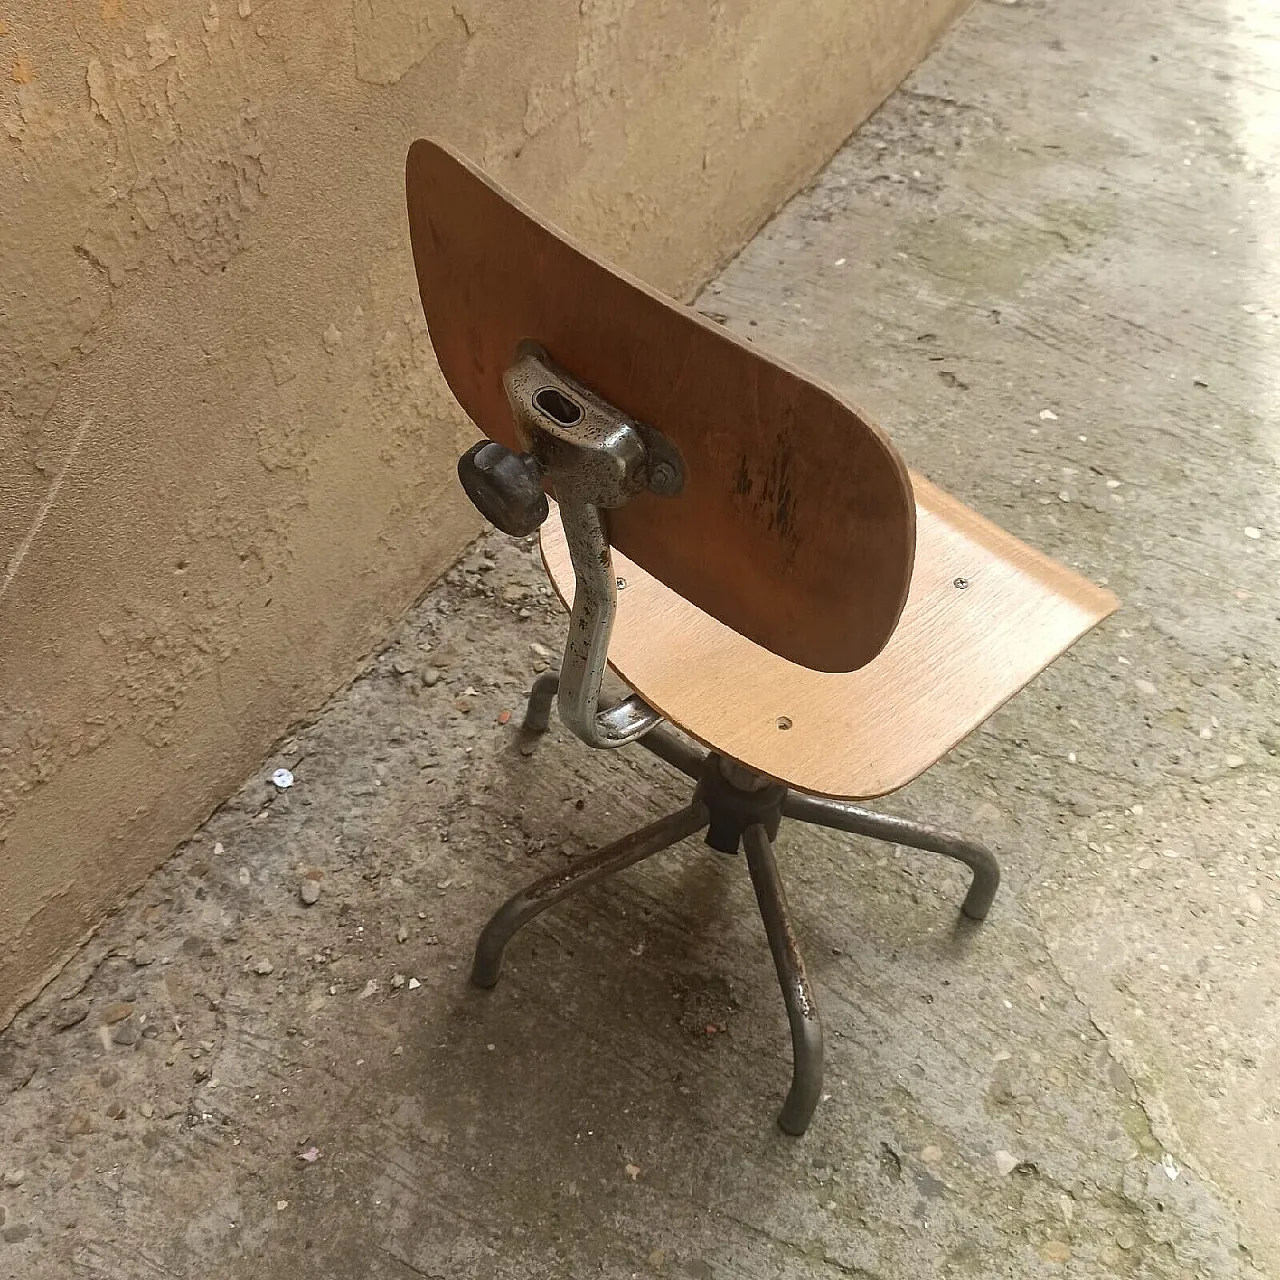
[{"x": 408, "y": 1266}]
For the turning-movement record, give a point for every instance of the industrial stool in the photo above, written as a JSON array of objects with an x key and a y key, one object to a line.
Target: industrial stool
[{"x": 744, "y": 548}]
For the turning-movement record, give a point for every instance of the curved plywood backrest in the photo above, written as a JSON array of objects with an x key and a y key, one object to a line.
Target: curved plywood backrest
[{"x": 796, "y": 526}]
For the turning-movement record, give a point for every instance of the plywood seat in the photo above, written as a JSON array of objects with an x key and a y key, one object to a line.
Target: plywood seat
[{"x": 984, "y": 615}]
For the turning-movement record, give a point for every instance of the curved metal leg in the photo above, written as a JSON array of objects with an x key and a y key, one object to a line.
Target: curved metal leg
[
  {"x": 666, "y": 746},
  {"x": 518, "y": 910},
  {"x": 802, "y": 1012},
  {"x": 595, "y": 606},
  {"x": 537, "y": 715},
  {"x": 879, "y": 826}
]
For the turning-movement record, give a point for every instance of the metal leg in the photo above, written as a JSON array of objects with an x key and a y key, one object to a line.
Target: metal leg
[
  {"x": 848, "y": 817},
  {"x": 666, "y": 746},
  {"x": 537, "y": 715},
  {"x": 802, "y": 1012},
  {"x": 586, "y": 648},
  {"x": 518, "y": 910}
]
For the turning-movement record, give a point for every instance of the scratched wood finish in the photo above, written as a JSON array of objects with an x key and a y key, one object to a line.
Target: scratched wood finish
[
  {"x": 957, "y": 654},
  {"x": 796, "y": 527}
]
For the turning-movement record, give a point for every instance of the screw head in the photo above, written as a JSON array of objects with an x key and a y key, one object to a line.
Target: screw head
[
  {"x": 960, "y": 583},
  {"x": 622, "y": 582},
  {"x": 663, "y": 478}
]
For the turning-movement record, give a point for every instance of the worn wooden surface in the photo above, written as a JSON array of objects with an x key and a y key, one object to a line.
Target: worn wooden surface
[
  {"x": 958, "y": 653},
  {"x": 795, "y": 526}
]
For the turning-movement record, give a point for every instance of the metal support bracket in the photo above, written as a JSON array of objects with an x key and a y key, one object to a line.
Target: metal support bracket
[{"x": 595, "y": 458}]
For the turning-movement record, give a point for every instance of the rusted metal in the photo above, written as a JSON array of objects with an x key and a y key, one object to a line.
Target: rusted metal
[
  {"x": 522, "y": 907},
  {"x": 797, "y": 995},
  {"x": 737, "y": 798},
  {"x": 595, "y": 458},
  {"x": 915, "y": 835},
  {"x": 537, "y": 714},
  {"x": 586, "y": 649},
  {"x": 739, "y": 807}
]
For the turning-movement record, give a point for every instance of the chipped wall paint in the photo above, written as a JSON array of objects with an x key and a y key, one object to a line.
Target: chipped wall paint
[{"x": 228, "y": 453}]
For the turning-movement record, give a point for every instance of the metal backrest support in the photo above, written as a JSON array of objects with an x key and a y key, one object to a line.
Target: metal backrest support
[
  {"x": 795, "y": 523},
  {"x": 595, "y": 459}
]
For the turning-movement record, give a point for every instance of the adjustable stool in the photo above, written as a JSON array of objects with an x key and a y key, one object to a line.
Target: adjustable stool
[{"x": 746, "y": 551}]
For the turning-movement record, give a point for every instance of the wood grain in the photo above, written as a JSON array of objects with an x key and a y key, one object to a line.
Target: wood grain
[
  {"x": 796, "y": 527},
  {"x": 957, "y": 655}
]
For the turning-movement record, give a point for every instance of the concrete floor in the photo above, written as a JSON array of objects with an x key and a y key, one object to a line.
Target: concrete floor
[{"x": 1049, "y": 265}]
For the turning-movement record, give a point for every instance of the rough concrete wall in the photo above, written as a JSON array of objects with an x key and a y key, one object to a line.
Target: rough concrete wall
[{"x": 228, "y": 455}]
